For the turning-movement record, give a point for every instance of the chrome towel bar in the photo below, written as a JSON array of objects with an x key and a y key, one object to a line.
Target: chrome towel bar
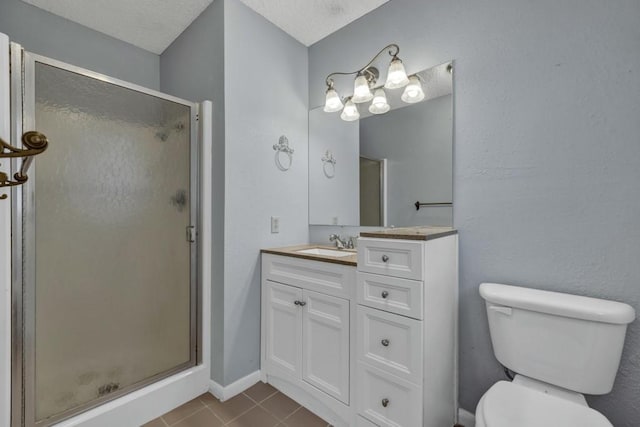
[{"x": 432, "y": 205}]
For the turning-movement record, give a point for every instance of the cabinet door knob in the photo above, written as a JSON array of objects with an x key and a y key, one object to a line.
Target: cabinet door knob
[
  {"x": 385, "y": 402},
  {"x": 385, "y": 294},
  {"x": 385, "y": 342},
  {"x": 301, "y": 303},
  {"x": 385, "y": 258},
  {"x": 296, "y": 302}
]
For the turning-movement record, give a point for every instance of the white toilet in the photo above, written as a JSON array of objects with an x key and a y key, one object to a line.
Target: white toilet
[{"x": 559, "y": 346}]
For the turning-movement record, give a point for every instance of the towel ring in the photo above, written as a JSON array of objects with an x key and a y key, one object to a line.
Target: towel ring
[
  {"x": 282, "y": 147},
  {"x": 286, "y": 165},
  {"x": 329, "y": 164}
]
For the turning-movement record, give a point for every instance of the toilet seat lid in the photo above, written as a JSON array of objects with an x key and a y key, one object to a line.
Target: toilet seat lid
[{"x": 507, "y": 404}]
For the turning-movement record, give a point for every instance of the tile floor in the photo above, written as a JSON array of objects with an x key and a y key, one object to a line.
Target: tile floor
[{"x": 259, "y": 406}]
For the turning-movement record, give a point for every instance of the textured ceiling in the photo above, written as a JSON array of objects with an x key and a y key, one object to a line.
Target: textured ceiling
[
  {"x": 150, "y": 24},
  {"x": 309, "y": 21},
  {"x": 154, "y": 24}
]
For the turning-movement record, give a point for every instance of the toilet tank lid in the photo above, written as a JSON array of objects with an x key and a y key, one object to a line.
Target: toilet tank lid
[{"x": 559, "y": 304}]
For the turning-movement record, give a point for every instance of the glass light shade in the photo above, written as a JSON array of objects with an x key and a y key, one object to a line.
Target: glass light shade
[
  {"x": 397, "y": 76},
  {"x": 413, "y": 92},
  {"x": 332, "y": 101},
  {"x": 379, "y": 104},
  {"x": 350, "y": 112},
  {"x": 361, "y": 90}
]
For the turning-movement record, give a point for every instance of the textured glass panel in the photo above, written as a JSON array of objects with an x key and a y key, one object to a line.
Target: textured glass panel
[{"x": 112, "y": 265}]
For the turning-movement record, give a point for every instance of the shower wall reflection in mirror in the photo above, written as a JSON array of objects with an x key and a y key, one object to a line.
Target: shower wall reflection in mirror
[{"x": 386, "y": 163}]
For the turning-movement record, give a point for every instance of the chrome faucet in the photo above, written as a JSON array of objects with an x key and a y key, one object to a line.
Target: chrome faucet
[{"x": 341, "y": 243}]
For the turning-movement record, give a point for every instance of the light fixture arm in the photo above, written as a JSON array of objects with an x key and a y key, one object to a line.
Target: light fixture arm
[{"x": 393, "y": 51}]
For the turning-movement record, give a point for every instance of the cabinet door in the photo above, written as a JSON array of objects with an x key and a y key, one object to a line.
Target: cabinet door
[
  {"x": 284, "y": 328},
  {"x": 326, "y": 344}
]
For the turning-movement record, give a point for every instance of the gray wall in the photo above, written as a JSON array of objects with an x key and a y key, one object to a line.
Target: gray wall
[
  {"x": 46, "y": 34},
  {"x": 417, "y": 140},
  {"x": 193, "y": 68},
  {"x": 265, "y": 72},
  {"x": 339, "y": 196},
  {"x": 266, "y": 81},
  {"x": 547, "y": 148}
]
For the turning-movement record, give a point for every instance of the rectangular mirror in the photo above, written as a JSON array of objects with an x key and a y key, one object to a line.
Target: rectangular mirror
[{"x": 391, "y": 169}]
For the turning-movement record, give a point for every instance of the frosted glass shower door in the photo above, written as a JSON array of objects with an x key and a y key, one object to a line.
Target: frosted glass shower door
[{"x": 109, "y": 258}]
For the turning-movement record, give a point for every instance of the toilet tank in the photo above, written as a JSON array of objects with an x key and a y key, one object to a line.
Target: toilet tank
[{"x": 570, "y": 341}]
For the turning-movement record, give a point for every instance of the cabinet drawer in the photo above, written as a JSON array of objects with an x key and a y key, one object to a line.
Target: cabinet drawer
[
  {"x": 391, "y": 257},
  {"x": 333, "y": 279},
  {"x": 401, "y": 296},
  {"x": 387, "y": 400},
  {"x": 390, "y": 342}
]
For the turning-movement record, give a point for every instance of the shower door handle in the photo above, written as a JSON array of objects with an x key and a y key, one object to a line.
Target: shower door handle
[{"x": 191, "y": 234}]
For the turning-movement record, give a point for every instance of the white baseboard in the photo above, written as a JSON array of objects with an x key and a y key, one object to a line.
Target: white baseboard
[
  {"x": 466, "y": 418},
  {"x": 227, "y": 392}
]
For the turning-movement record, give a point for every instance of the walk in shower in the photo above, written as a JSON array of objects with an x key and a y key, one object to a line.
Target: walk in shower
[{"x": 104, "y": 256}]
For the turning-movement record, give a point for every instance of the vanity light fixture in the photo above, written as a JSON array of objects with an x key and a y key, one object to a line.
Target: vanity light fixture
[
  {"x": 361, "y": 90},
  {"x": 332, "y": 102},
  {"x": 366, "y": 87},
  {"x": 413, "y": 91},
  {"x": 397, "y": 76},
  {"x": 379, "y": 105},
  {"x": 350, "y": 112}
]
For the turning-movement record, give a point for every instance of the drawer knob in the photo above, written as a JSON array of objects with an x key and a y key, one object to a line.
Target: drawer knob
[
  {"x": 385, "y": 258},
  {"x": 385, "y": 402},
  {"x": 385, "y": 342},
  {"x": 385, "y": 294}
]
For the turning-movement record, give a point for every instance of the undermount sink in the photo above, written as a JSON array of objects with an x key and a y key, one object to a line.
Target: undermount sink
[{"x": 325, "y": 252}]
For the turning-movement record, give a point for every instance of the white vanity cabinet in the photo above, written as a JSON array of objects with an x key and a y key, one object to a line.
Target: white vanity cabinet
[
  {"x": 372, "y": 344},
  {"x": 407, "y": 294},
  {"x": 307, "y": 329}
]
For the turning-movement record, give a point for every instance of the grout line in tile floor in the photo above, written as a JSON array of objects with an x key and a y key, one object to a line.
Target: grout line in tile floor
[
  {"x": 255, "y": 402},
  {"x": 275, "y": 416},
  {"x": 260, "y": 401},
  {"x": 239, "y": 415},
  {"x": 186, "y": 416},
  {"x": 216, "y": 415}
]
